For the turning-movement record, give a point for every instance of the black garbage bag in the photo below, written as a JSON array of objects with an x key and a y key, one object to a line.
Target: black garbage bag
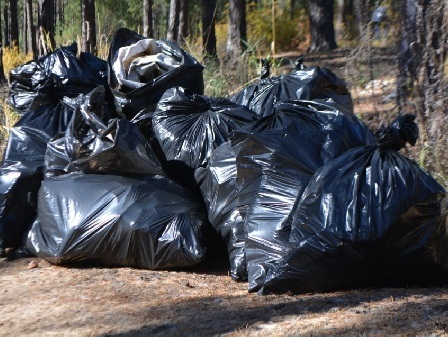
[
  {"x": 92, "y": 146},
  {"x": 51, "y": 78},
  {"x": 22, "y": 168},
  {"x": 269, "y": 151},
  {"x": 142, "y": 69},
  {"x": 23, "y": 165},
  {"x": 189, "y": 127},
  {"x": 277, "y": 157},
  {"x": 39, "y": 91},
  {"x": 21, "y": 171},
  {"x": 304, "y": 83},
  {"x": 50, "y": 119},
  {"x": 440, "y": 241},
  {"x": 218, "y": 186},
  {"x": 20, "y": 178},
  {"x": 147, "y": 222},
  {"x": 367, "y": 218}
]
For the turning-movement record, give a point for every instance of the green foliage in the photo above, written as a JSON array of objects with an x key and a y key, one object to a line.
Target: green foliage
[
  {"x": 221, "y": 80},
  {"x": 290, "y": 31},
  {"x": 69, "y": 31}
]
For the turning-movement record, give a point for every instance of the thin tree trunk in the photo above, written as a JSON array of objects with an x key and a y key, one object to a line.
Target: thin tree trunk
[
  {"x": 346, "y": 20},
  {"x": 408, "y": 60},
  {"x": 88, "y": 26},
  {"x": 362, "y": 16},
  {"x": 208, "y": 28},
  {"x": 321, "y": 24},
  {"x": 46, "y": 27},
  {"x": 6, "y": 20},
  {"x": 2, "y": 71},
  {"x": 243, "y": 24},
  {"x": 236, "y": 31},
  {"x": 183, "y": 21},
  {"x": 14, "y": 23},
  {"x": 148, "y": 29},
  {"x": 173, "y": 21},
  {"x": 1, "y": 31},
  {"x": 3, "y": 79},
  {"x": 23, "y": 29},
  {"x": 60, "y": 15},
  {"x": 292, "y": 9},
  {"x": 30, "y": 29}
]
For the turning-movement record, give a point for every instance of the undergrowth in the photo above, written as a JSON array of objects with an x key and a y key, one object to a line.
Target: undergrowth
[
  {"x": 12, "y": 58},
  {"x": 8, "y": 118}
]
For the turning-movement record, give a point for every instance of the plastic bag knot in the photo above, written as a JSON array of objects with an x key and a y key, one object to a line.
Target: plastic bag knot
[
  {"x": 401, "y": 131},
  {"x": 265, "y": 68},
  {"x": 299, "y": 64}
]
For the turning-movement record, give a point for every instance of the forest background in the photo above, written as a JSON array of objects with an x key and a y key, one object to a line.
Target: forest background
[{"x": 393, "y": 61}]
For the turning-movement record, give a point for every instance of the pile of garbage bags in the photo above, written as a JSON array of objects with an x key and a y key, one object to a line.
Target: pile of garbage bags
[{"x": 126, "y": 162}]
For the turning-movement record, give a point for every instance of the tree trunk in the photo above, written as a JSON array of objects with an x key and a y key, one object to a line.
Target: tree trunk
[
  {"x": 2, "y": 69},
  {"x": 321, "y": 24},
  {"x": 88, "y": 43},
  {"x": 422, "y": 79},
  {"x": 7, "y": 25},
  {"x": 183, "y": 21},
  {"x": 173, "y": 21},
  {"x": 60, "y": 15},
  {"x": 236, "y": 31},
  {"x": 243, "y": 24},
  {"x": 23, "y": 28},
  {"x": 46, "y": 27},
  {"x": 14, "y": 24},
  {"x": 208, "y": 29},
  {"x": 292, "y": 9},
  {"x": 347, "y": 28},
  {"x": 148, "y": 30},
  {"x": 1, "y": 31},
  {"x": 30, "y": 32},
  {"x": 362, "y": 17},
  {"x": 408, "y": 61}
]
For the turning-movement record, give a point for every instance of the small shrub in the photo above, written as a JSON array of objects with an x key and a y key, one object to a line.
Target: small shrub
[{"x": 12, "y": 58}]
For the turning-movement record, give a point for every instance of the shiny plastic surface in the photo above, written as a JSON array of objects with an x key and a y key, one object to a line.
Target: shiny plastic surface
[
  {"x": 189, "y": 126},
  {"x": 146, "y": 223},
  {"x": 39, "y": 91},
  {"x": 304, "y": 83},
  {"x": 131, "y": 101},
  {"x": 366, "y": 218},
  {"x": 93, "y": 146},
  {"x": 20, "y": 178},
  {"x": 22, "y": 167},
  {"x": 58, "y": 74},
  {"x": 278, "y": 155},
  {"x": 217, "y": 182}
]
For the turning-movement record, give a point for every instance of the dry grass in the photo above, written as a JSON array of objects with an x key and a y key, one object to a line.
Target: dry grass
[
  {"x": 13, "y": 58},
  {"x": 8, "y": 118}
]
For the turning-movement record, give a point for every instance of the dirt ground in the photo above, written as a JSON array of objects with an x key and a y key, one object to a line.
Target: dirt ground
[{"x": 40, "y": 299}]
